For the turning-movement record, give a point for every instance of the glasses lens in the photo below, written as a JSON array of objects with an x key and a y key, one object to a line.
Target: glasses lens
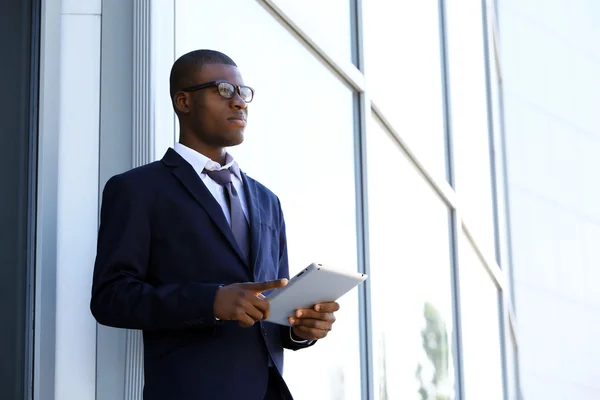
[
  {"x": 226, "y": 90},
  {"x": 246, "y": 94}
]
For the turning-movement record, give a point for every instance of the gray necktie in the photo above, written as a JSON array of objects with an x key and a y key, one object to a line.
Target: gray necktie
[{"x": 239, "y": 225}]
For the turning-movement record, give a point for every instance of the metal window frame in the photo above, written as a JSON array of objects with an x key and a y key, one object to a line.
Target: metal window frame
[
  {"x": 361, "y": 116},
  {"x": 494, "y": 183},
  {"x": 32, "y": 193},
  {"x": 508, "y": 300},
  {"x": 454, "y": 218}
]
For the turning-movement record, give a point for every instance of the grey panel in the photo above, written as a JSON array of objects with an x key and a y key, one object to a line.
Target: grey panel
[
  {"x": 116, "y": 88},
  {"x": 115, "y": 157},
  {"x": 19, "y": 30}
]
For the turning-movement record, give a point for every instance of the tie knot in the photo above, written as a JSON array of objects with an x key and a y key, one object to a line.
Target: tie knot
[{"x": 222, "y": 177}]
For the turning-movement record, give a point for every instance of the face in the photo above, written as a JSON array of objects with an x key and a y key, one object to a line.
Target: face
[{"x": 211, "y": 119}]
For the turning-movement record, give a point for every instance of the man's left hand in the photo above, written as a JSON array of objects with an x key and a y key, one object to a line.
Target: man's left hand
[{"x": 314, "y": 323}]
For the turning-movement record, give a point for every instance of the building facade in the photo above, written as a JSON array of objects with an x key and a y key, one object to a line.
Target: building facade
[
  {"x": 551, "y": 101},
  {"x": 412, "y": 134}
]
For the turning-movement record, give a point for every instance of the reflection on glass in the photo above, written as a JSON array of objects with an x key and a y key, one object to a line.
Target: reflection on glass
[
  {"x": 383, "y": 385},
  {"x": 482, "y": 357},
  {"x": 435, "y": 344},
  {"x": 469, "y": 117},
  {"x": 410, "y": 278},
  {"x": 301, "y": 146},
  {"x": 327, "y": 23},
  {"x": 402, "y": 52}
]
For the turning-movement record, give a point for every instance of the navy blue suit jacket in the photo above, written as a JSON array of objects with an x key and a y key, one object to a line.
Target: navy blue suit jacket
[{"x": 164, "y": 248}]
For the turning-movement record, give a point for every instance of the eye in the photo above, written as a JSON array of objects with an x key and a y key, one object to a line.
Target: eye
[
  {"x": 246, "y": 93},
  {"x": 226, "y": 89}
]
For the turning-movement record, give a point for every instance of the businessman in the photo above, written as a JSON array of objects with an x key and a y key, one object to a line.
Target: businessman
[{"x": 188, "y": 245}]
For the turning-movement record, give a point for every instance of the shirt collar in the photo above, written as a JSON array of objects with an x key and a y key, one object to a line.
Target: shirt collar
[{"x": 199, "y": 161}]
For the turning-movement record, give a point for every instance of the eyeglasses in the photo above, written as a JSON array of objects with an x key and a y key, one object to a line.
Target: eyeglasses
[{"x": 226, "y": 90}]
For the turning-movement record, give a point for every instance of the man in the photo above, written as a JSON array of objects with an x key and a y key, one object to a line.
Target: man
[{"x": 186, "y": 247}]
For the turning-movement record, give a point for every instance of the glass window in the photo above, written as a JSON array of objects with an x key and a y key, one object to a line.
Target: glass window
[
  {"x": 327, "y": 23},
  {"x": 410, "y": 278},
  {"x": 468, "y": 103},
  {"x": 300, "y": 144},
  {"x": 402, "y": 53},
  {"x": 512, "y": 378},
  {"x": 480, "y": 327}
]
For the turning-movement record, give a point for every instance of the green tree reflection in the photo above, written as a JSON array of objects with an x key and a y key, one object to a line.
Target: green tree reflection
[
  {"x": 383, "y": 386},
  {"x": 435, "y": 344}
]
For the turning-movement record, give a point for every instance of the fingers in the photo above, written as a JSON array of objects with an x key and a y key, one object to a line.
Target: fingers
[
  {"x": 243, "y": 302},
  {"x": 310, "y": 313},
  {"x": 246, "y": 321},
  {"x": 307, "y": 333},
  {"x": 327, "y": 307},
  {"x": 319, "y": 311},
  {"x": 314, "y": 323},
  {"x": 312, "y": 319},
  {"x": 261, "y": 304},
  {"x": 260, "y": 287},
  {"x": 249, "y": 304},
  {"x": 249, "y": 308}
]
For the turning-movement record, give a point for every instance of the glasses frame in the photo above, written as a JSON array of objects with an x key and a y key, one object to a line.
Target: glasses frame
[{"x": 237, "y": 88}]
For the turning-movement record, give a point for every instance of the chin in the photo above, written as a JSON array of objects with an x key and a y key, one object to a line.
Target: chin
[{"x": 235, "y": 139}]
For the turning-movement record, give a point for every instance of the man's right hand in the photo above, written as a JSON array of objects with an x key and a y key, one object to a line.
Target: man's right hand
[{"x": 244, "y": 302}]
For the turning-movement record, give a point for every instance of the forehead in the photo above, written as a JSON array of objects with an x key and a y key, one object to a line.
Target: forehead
[{"x": 215, "y": 72}]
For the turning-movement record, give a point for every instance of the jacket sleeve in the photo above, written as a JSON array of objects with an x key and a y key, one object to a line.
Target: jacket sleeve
[
  {"x": 121, "y": 296},
  {"x": 284, "y": 272}
]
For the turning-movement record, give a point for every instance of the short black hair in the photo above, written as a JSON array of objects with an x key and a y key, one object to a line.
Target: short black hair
[{"x": 184, "y": 67}]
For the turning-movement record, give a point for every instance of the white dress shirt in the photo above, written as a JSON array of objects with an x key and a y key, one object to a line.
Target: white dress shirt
[{"x": 200, "y": 162}]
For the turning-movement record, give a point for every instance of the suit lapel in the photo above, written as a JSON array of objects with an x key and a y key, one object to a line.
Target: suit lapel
[
  {"x": 191, "y": 181},
  {"x": 254, "y": 219}
]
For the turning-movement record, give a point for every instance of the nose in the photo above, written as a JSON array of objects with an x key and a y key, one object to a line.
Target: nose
[{"x": 238, "y": 103}]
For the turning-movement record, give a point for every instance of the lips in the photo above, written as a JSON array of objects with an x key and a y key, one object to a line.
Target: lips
[{"x": 239, "y": 120}]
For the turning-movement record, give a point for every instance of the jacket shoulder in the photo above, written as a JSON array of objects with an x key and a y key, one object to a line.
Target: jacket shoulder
[{"x": 139, "y": 178}]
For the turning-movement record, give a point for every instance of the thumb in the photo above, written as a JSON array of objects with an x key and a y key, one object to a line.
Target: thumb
[{"x": 260, "y": 287}]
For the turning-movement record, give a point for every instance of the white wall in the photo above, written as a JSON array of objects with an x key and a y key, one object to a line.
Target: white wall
[
  {"x": 550, "y": 61},
  {"x": 69, "y": 148}
]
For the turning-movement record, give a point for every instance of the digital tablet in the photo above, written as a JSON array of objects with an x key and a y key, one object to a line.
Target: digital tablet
[{"x": 315, "y": 284}]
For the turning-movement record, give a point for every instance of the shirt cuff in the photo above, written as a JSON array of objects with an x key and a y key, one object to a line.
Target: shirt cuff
[
  {"x": 218, "y": 320},
  {"x": 301, "y": 341}
]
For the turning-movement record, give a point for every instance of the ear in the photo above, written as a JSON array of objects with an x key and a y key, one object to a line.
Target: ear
[{"x": 181, "y": 102}]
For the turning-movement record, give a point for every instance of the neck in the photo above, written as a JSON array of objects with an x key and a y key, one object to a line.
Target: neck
[{"x": 217, "y": 154}]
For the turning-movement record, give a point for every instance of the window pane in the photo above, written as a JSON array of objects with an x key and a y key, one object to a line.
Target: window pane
[
  {"x": 300, "y": 146},
  {"x": 403, "y": 68},
  {"x": 482, "y": 357},
  {"x": 512, "y": 379},
  {"x": 469, "y": 117},
  {"x": 495, "y": 98},
  {"x": 326, "y": 22},
  {"x": 410, "y": 278}
]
